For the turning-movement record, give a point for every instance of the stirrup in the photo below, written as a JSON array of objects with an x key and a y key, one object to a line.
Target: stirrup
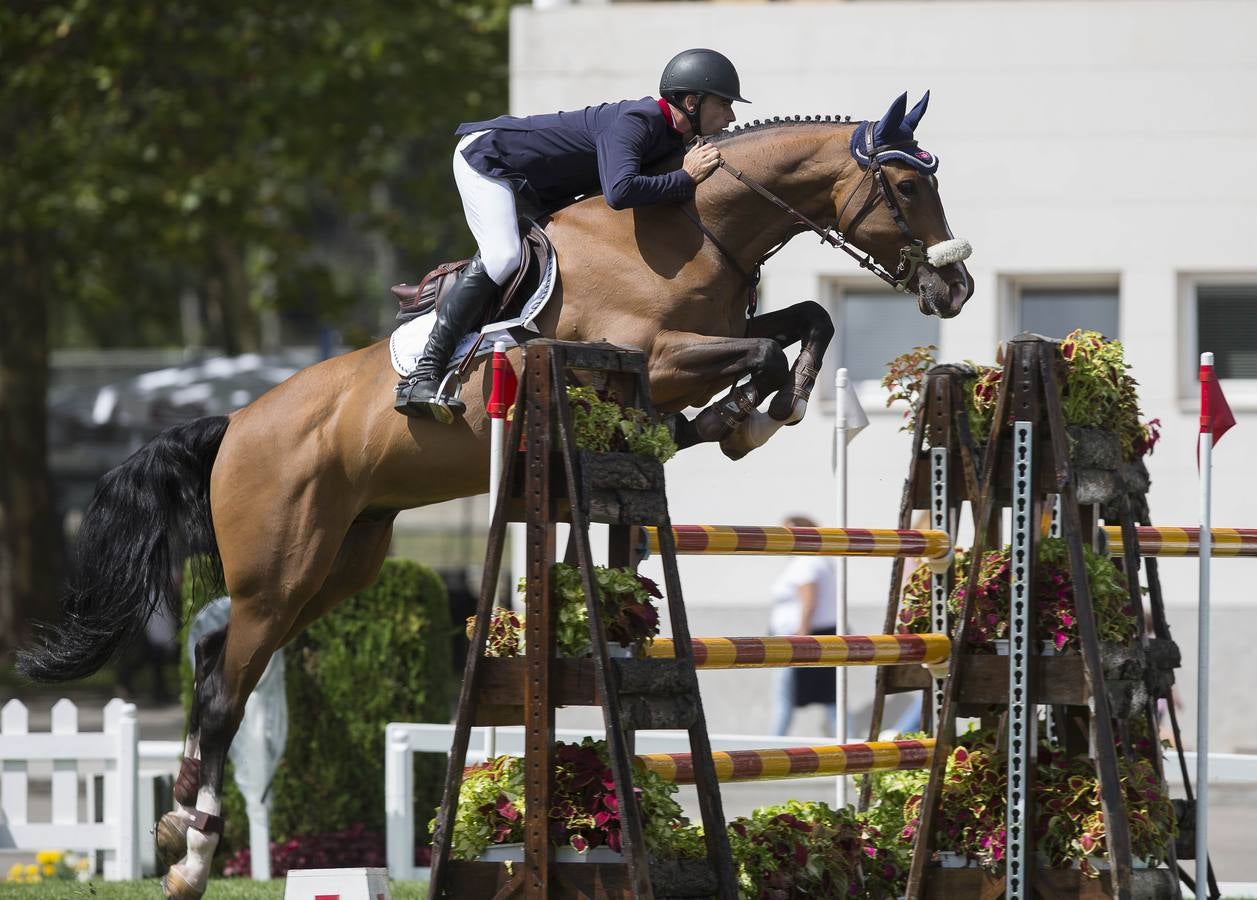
[{"x": 440, "y": 406}]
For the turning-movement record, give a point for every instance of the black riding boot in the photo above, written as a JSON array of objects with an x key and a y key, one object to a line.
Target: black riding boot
[{"x": 460, "y": 310}]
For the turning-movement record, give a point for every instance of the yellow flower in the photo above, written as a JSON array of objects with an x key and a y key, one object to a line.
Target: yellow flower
[
  {"x": 49, "y": 870},
  {"x": 48, "y": 857},
  {"x": 15, "y": 872},
  {"x": 32, "y": 869}
]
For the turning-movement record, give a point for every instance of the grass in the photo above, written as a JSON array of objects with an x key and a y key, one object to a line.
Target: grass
[{"x": 219, "y": 889}]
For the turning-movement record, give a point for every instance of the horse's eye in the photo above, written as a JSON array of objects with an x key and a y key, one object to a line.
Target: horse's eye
[{"x": 907, "y": 187}]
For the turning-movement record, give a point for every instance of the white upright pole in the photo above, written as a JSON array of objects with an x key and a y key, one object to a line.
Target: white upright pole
[
  {"x": 497, "y": 444},
  {"x": 1202, "y": 684},
  {"x": 840, "y": 627}
]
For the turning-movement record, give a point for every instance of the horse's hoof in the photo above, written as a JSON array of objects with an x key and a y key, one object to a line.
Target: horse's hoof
[
  {"x": 174, "y": 887},
  {"x": 733, "y": 448},
  {"x": 170, "y": 837}
]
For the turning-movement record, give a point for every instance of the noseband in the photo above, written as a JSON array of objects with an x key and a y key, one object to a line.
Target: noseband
[{"x": 911, "y": 255}]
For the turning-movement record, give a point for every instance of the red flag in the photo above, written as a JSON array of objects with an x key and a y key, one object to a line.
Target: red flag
[
  {"x": 505, "y": 386},
  {"x": 1215, "y": 414}
]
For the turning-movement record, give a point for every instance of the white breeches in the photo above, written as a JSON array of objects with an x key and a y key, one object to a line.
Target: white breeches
[{"x": 489, "y": 204}]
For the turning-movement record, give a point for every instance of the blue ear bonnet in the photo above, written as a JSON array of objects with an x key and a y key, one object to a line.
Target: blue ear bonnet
[{"x": 896, "y": 128}]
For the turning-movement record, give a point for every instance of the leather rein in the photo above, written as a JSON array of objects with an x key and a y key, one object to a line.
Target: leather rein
[{"x": 910, "y": 256}]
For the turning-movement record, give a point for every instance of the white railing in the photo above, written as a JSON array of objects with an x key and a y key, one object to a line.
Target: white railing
[
  {"x": 404, "y": 739},
  {"x": 116, "y": 748}
]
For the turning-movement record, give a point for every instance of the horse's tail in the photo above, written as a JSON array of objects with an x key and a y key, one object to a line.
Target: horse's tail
[{"x": 148, "y": 515}]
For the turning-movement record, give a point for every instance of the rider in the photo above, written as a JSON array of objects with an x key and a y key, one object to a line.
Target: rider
[{"x": 552, "y": 160}]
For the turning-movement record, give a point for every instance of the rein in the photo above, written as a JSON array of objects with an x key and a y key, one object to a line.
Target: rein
[{"x": 910, "y": 257}]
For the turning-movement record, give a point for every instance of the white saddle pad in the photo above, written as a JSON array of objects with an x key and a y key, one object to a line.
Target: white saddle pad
[{"x": 407, "y": 343}]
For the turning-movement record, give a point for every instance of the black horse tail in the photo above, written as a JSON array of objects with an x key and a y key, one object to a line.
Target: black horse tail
[{"x": 148, "y": 515}]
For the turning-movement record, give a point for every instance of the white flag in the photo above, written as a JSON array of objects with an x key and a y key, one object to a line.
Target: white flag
[{"x": 854, "y": 413}]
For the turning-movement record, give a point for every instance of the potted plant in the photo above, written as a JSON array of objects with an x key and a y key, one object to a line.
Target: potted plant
[
  {"x": 1099, "y": 399},
  {"x": 801, "y": 849},
  {"x": 970, "y": 825},
  {"x": 1073, "y": 830},
  {"x": 1055, "y": 615},
  {"x": 584, "y": 812},
  {"x": 601, "y": 425},
  {"x": 626, "y": 604}
]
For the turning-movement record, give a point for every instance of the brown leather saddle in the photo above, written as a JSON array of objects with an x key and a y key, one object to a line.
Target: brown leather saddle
[{"x": 417, "y": 299}]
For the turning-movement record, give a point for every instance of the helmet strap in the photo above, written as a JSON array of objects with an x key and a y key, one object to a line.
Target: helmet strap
[{"x": 695, "y": 116}]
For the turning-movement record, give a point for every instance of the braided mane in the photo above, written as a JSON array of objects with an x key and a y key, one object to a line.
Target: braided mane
[{"x": 778, "y": 122}]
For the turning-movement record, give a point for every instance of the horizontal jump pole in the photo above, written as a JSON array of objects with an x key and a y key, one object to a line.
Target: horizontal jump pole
[
  {"x": 814, "y": 650},
  {"x": 781, "y": 540},
  {"x": 797, "y": 762},
  {"x": 1165, "y": 540}
]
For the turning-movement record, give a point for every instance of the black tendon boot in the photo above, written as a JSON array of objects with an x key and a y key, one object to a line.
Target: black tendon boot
[{"x": 460, "y": 310}]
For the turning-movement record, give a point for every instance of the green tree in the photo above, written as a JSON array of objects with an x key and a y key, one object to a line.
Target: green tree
[{"x": 153, "y": 148}]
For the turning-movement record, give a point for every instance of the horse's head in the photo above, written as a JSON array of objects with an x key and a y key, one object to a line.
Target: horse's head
[{"x": 896, "y": 216}]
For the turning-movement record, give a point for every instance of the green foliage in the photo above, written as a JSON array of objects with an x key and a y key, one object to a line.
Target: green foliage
[
  {"x": 602, "y": 425},
  {"x": 1056, "y": 615},
  {"x": 891, "y": 791},
  {"x": 1096, "y": 393},
  {"x": 381, "y": 656},
  {"x": 905, "y": 379},
  {"x": 800, "y": 849},
  {"x": 584, "y": 808},
  {"x": 626, "y": 606},
  {"x": 208, "y": 146}
]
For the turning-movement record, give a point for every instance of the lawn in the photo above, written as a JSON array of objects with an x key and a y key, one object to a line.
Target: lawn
[{"x": 220, "y": 889}]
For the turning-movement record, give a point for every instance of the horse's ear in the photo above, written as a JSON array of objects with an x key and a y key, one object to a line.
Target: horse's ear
[
  {"x": 913, "y": 118},
  {"x": 888, "y": 127}
]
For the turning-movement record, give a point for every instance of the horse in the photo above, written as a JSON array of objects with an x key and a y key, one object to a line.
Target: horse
[{"x": 294, "y": 496}]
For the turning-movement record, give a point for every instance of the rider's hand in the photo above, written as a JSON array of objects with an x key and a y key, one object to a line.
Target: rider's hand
[{"x": 701, "y": 161}]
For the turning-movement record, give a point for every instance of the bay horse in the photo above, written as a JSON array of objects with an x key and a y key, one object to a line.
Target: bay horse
[{"x": 295, "y": 494}]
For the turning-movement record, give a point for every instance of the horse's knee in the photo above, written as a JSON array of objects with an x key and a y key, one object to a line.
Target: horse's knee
[{"x": 820, "y": 324}]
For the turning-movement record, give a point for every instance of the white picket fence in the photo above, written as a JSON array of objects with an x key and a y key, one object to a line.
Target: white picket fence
[{"x": 113, "y": 823}]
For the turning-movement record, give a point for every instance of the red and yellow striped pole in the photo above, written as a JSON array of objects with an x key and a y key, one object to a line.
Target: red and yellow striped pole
[
  {"x": 1164, "y": 540},
  {"x": 781, "y": 540},
  {"x": 796, "y": 762},
  {"x": 816, "y": 650}
]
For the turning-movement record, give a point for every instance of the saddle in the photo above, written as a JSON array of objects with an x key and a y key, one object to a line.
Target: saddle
[{"x": 417, "y": 299}]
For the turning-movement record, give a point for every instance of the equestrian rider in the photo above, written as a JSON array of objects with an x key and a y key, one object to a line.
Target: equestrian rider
[{"x": 551, "y": 161}]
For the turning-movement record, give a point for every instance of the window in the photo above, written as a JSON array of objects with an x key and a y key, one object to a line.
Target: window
[
  {"x": 1056, "y": 310},
  {"x": 873, "y": 327},
  {"x": 1220, "y": 316},
  {"x": 1226, "y": 325}
]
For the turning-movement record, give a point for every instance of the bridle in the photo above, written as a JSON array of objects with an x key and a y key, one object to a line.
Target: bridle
[{"x": 911, "y": 255}]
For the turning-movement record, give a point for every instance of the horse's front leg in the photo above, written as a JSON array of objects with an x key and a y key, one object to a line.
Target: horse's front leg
[
  {"x": 807, "y": 323},
  {"x": 685, "y": 367}
]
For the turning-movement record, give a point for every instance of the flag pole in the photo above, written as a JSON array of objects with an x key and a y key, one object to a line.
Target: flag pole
[
  {"x": 840, "y": 624},
  {"x": 497, "y": 407},
  {"x": 1202, "y": 669}
]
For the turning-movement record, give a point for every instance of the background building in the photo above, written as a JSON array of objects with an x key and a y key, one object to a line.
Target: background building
[{"x": 1095, "y": 154}]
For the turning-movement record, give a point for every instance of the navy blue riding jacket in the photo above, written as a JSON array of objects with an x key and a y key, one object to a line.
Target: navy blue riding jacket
[{"x": 552, "y": 159}]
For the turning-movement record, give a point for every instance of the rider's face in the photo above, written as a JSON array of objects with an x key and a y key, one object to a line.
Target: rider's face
[{"x": 717, "y": 114}]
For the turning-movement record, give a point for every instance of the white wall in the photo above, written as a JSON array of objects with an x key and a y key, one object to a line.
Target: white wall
[{"x": 1112, "y": 137}]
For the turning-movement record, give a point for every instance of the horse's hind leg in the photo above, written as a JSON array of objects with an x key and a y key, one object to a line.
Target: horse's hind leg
[
  {"x": 171, "y": 831},
  {"x": 234, "y": 661}
]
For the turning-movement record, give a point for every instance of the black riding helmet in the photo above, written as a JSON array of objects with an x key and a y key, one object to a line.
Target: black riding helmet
[{"x": 700, "y": 72}]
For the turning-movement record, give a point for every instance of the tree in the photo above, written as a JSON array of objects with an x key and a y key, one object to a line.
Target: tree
[{"x": 157, "y": 147}]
